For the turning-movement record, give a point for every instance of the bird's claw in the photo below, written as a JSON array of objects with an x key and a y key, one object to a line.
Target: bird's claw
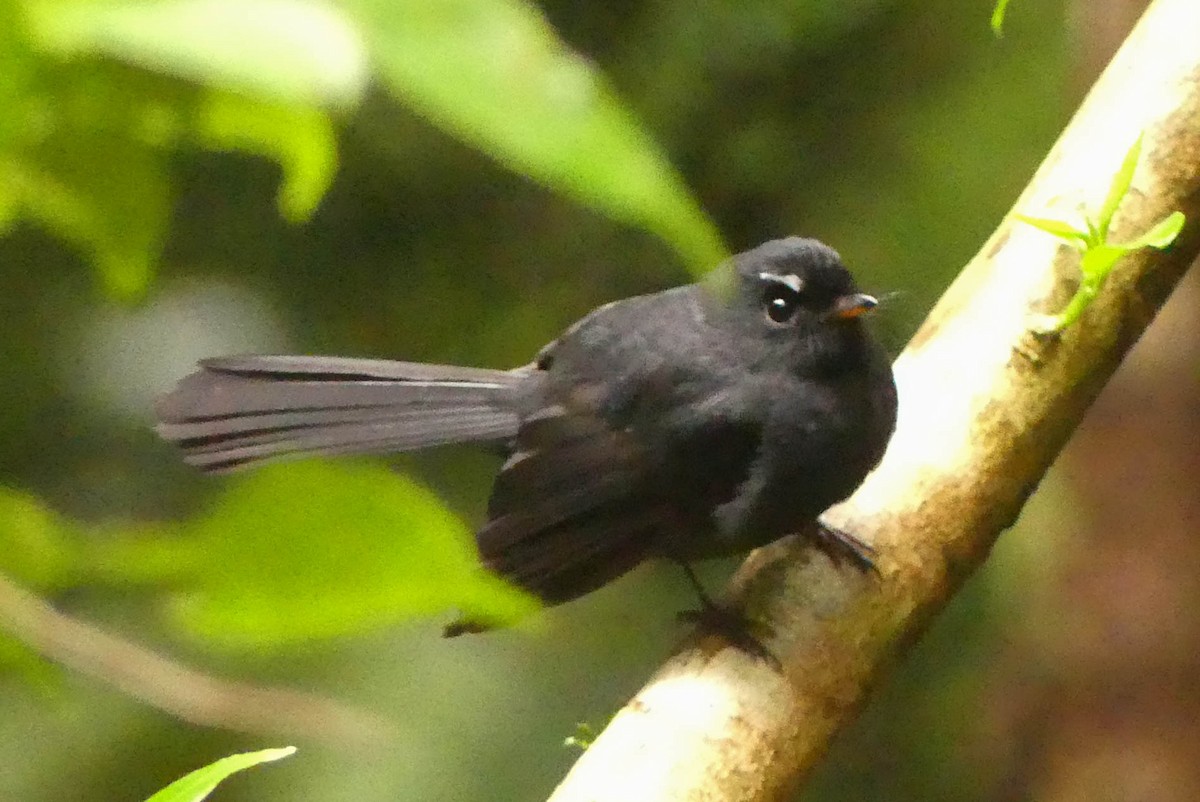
[
  {"x": 725, "y": 621},
  {"x": 732, "y": 626},
  {"x": 841, "y": 546}
]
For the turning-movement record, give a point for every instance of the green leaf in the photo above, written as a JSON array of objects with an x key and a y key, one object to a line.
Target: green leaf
[
  {"x": 1119, "y": 188},
  {"x": 43, "y": 551},
  {"x": 317, "y": 549},
  {"x": 289, "y": 50},
  {"x": 300, "y": 138},
  {"x": 16, "y": 67},
  {"x": 10, "y": 201},
  {"x": 998, "y": 17},
  {"x": 200, "y": 783},
  {"x": 1162, "y": 234},
  {"x": 106, "y": 193},
  {"x": 1059, "y": 228},
  {"x": 494, "y": 73},
  {"x": 145, "y": 555},
  {"x": 38, "y": 548},
  {"x": 1098, "y": 261},
  {"x": 18, "y": 659},
  {"x": 584, "y": 737}
]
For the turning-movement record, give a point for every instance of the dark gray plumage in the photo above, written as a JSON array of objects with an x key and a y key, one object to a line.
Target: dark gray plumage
[
  {"x": 242, "y": 409},
  {"x": 700, "y": 421}
]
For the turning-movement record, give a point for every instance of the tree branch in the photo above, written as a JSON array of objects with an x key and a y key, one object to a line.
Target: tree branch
[
  {"x": 181, "y": 691},
  {"x": 984, "y": 410}
]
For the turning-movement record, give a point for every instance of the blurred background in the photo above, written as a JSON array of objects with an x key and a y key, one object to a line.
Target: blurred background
[{"x": 179, "y": 209}]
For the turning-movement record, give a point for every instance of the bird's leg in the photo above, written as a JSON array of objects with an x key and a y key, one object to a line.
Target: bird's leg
[
  {"x": 841, "y": 546},
  {"x": 705, "y": 600},
  {"x": 725, "y": 620}
]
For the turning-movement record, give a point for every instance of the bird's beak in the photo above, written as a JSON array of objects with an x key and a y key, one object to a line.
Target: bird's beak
[{"x": 853, "y": 305}]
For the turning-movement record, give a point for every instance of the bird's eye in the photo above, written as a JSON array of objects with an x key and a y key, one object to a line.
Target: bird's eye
[{"x": 781, "y": 304}]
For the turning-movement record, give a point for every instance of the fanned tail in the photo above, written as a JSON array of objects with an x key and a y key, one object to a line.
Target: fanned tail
[{"x": 235, "y": 411}]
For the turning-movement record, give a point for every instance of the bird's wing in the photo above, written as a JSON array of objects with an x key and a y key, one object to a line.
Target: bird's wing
[
  {"x": 571, "y": 509},
  {"x": 239, "y": 410}
]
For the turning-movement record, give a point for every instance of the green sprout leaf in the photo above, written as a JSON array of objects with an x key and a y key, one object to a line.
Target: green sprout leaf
[
  {"x": 1059, "y": 228},
  {"x": 584, "y": 737},
  {"x": 1098, "y": 255},
  {"x": 1122, "y": 181},
  {"x": 998, "y": 17},
  {"x": 1098, "y": 261},
  {"x": 200, "y": 783},
  {"x": 1162, "y": 234}
]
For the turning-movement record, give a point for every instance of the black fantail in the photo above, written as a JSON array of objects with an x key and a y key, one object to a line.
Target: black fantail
[{"x": 701, "y": 421}]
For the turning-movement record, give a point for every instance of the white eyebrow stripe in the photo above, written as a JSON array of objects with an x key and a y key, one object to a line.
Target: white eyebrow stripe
[{"x": 789, "y": 280}]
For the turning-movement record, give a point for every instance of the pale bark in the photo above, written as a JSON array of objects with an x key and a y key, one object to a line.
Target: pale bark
[{"x": 984, "y": 410}]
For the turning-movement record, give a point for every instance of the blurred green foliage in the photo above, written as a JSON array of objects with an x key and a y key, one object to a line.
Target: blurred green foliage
[
  {"x": 264, "y": 175},
  {"x": 40, "y": 548},
  {"x": 495, "y": 73},
  {"x": 43, "y": 552},
  {"x": 323, "y": 550},
  {"x": 86, "y": 150}
]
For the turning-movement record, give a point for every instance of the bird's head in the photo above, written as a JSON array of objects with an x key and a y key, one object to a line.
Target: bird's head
[{"x": 795, "y": 299}]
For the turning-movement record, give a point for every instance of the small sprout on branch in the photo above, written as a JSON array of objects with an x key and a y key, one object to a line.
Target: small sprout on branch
[
  {"x": 1098, "y": 255},
  {"x": 584, "y": 735}
]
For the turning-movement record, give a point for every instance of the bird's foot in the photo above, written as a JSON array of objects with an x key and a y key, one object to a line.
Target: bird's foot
[
  {"x": 725, "y": 621},
  {"x": 732, "y": 626},
  {"x": 841, "y": 546}
]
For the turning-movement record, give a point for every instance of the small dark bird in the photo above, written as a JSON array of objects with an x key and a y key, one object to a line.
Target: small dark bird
[{"x": 697, "y": 422}]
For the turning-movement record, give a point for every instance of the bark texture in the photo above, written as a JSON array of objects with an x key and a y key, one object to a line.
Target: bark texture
[{"x": 985, "y": 408}]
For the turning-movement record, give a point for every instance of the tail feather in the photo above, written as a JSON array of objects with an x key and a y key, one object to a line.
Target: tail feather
[
  {"x": 337, "y": 368},
  {"x": 239, "y": 410},
  {"x": 218, "y": 453}
]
